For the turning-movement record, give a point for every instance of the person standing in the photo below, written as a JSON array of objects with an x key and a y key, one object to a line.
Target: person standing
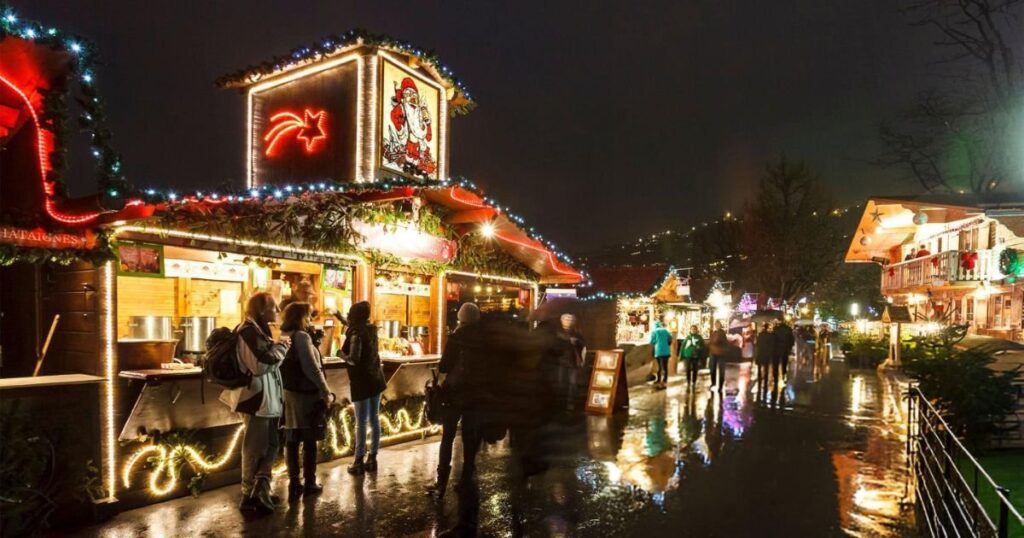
[
  {"x": 784, "y": 340},
  {"x": 572, "y": 350},
  {"x": 719, "y": 348},
  {"x": 260, "y": 403},
  {"x": 661, "y": 340},
  {"x": 306, "y": 400},
  {"x": 692, "y": 350},
  {"x": 764, "y": 354},
  {"x": 366, "y": 380},
  {"x": 460, "y": 344}
]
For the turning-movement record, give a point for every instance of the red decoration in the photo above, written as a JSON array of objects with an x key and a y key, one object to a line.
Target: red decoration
[
  {"x": 310, "y": 128},
  {"x": 968, "y": 260},
  {"x": 44, "y": 146},
  {"x": 892, "y": 272},
  {"x": 40, "y": 238},
  {"x": 935, "y": 261}
]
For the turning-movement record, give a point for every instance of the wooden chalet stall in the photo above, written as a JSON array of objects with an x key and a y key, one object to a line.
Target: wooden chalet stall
[
  {"x": 55, "y": 313},
  {"x": 622, "y": 304},
  {"x": 347, "y": 197}
]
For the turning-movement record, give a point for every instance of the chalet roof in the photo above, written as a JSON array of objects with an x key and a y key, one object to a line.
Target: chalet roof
[
  {"x": 459, "y": 98},
  {"x": 639, "y": 279}
]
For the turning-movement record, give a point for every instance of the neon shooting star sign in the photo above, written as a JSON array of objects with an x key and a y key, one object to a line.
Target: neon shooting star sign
[{"x": 310, "y": 128}]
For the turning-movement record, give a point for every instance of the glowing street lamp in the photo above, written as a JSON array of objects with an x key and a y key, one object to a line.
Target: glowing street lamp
[
  {"x": 487, "y": 229},
  {"x": 854, "y": 309}
]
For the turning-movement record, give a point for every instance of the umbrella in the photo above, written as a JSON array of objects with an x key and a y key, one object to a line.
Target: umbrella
[
  {"x": 766, "y": 315},
  {"x": 738, "y": 323},
  {"x": 554, "y": 308}
]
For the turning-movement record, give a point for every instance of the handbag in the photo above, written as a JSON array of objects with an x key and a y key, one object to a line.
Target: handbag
[{"x": 436, "y": 402}]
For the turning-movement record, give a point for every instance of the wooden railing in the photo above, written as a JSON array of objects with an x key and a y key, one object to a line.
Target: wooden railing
[{"x": 936, "y": 270}]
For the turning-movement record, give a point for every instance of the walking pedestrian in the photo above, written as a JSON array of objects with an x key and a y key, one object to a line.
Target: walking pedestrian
[
  {"x": 719, "y": 348},
  {"x": 571, "y": 352},
  {"x": 692, "y": 350},
  {"x": 260, "y": 403},
  {"x": 764, "y": 353},
  {"x": 366, "y": 379},
  {"x": 463, "y": 341},
  {"x": 306, "y": 400},
  {"x": 784, "y": 340},
  {"x": 661, "y": 339}
]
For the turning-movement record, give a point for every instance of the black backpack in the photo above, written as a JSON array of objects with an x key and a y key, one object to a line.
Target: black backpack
[{"x": 220, "y": 365}]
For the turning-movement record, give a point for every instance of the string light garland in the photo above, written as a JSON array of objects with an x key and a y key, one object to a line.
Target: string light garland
[
  {"x": 279, "y": 193},
  {"x": 54, "y": 119},
  {"x": 338, "y": 44},
  {"x": 166, "y": 459},
  {"x": 672, "y": 271}
]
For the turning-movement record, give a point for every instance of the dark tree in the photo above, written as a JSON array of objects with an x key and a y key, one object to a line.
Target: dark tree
[
  {"x": 791, "y": 237},
  {"x": 962, "y": 138}
]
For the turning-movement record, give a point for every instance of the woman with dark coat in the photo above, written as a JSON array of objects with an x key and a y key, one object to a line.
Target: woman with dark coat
[
  {"x": 719, "y": 347},
  {"x": 366, "y": 379},
  {"x": 306, "y": 399},
  {"x": 461, "y": 344},
  {"x": 764, "y": 353}
]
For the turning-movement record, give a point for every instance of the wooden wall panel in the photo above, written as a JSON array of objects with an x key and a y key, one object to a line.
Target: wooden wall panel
[
  {"x": 204, "y": 300},
  {"x": 143, "y": 296}
]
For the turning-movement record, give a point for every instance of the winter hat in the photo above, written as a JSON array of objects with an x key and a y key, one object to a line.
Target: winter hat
[
  {"x": 469, "y": 313},
  {"x": 359, "y": 313}
]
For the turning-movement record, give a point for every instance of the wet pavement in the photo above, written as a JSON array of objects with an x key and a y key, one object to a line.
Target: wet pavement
[{"x": 817, "y": 458}]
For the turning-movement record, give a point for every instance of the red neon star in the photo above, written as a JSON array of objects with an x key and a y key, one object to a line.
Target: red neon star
[
  {"x": 310, "y": 129},
  {"x": 313, "y": 129}
]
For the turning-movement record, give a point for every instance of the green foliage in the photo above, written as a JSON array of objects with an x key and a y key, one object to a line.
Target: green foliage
[
  {"x": 961, "y": 384},
  {"x": 863, "y": 350},
  {"x": 89, "y": 484},
  {"x": 26, "y": 459}
]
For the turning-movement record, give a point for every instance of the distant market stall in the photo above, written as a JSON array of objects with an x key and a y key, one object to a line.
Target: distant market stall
[{"x": 347, "y": 198}]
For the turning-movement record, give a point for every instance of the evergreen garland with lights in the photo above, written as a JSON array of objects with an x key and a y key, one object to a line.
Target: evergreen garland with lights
[
  {"x": 333, "y": 44},
  {"x": 55, "y": 115}
]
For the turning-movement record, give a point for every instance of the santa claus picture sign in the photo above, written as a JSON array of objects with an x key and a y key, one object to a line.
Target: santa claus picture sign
[{"x": 410, "y": 108}]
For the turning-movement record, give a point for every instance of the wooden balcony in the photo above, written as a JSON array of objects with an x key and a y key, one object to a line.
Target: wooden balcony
[{"x": 944, "y": 269}]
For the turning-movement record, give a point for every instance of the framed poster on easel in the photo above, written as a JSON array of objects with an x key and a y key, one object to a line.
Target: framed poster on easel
[{"x": 608, "y": 390}]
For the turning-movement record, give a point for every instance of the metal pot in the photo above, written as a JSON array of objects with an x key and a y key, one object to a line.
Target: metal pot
[
  {"x": 389, "y": 329},
  {"x": 150, "y": 328},
  {"x": 195, "y": 330}
]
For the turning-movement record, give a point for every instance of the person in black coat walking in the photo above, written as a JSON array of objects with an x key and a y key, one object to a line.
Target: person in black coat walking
[
  {"x": 764, "y": 354},
  {"x": 366, "y": 379},
  {"x": 461, "y": 345},
  {"x": 784, "y": 340}
]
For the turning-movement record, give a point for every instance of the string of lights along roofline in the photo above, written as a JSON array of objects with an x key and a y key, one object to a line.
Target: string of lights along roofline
[
  {"x": 265, "y": 193},
  {"x": 92, "y": 117}
]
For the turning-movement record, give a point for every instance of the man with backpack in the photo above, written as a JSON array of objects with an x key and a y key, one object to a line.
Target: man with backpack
[{"x": 260, "y": 400}]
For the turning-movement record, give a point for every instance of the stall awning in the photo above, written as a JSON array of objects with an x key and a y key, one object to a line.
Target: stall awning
[{"x": 627, "y": 279}]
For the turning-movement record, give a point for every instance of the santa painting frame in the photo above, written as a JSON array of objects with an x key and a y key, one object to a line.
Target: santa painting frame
[{"x": 413, "y": 121}]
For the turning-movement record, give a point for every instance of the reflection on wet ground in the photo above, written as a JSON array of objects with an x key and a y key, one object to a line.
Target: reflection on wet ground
[{"x": 822, "y": 458}]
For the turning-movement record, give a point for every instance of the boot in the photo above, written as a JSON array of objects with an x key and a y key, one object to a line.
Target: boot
[
  {"x": 371, "y": 463},
  {"x": 309, "y": 469},
  {"x": 294, "y": 490},
  {"x": 441, "y": 484},
  {"x": 291, "y": 453},
  {"x": 248, "y": 504},
  {"x": 357, "y": 468},
  {"x": 264, "y": 500}
]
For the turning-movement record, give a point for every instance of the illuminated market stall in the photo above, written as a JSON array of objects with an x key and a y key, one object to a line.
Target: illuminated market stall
[
  {"x": 624, "y": 302},
  {"x": 347, "y": 198}
]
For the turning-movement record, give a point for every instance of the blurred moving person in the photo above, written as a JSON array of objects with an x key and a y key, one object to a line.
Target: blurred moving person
[
  {"x": 661, "y": 340},
  {"x": 692, "y": 351}
]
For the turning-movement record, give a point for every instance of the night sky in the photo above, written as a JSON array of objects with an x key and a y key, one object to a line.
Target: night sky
[{"x": 597, "y": 121}]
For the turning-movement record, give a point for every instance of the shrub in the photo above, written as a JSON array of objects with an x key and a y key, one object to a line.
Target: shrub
[
  {"x": 960, "y": 384},
  {"x": 864, "y": 351}
]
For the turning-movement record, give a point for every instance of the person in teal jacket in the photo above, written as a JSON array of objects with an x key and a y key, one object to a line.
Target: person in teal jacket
[
  {"x": 692, "y": 350},
  {"x": 661, "y": 339}
]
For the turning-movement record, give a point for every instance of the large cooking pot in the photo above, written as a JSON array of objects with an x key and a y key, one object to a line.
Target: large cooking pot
[
  {"x": 150, "y": 328},
  {"x": 194, "y": 331},
  {"x": 142, "y": 354}
]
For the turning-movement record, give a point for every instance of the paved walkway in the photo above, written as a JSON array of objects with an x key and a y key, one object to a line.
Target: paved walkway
[{"x": 817, "y": 459}]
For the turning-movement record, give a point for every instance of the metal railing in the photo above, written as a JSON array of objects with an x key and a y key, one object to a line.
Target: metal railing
[
  {"x": 951, "y": 484},
  {"x": 945, "y": 266}
]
